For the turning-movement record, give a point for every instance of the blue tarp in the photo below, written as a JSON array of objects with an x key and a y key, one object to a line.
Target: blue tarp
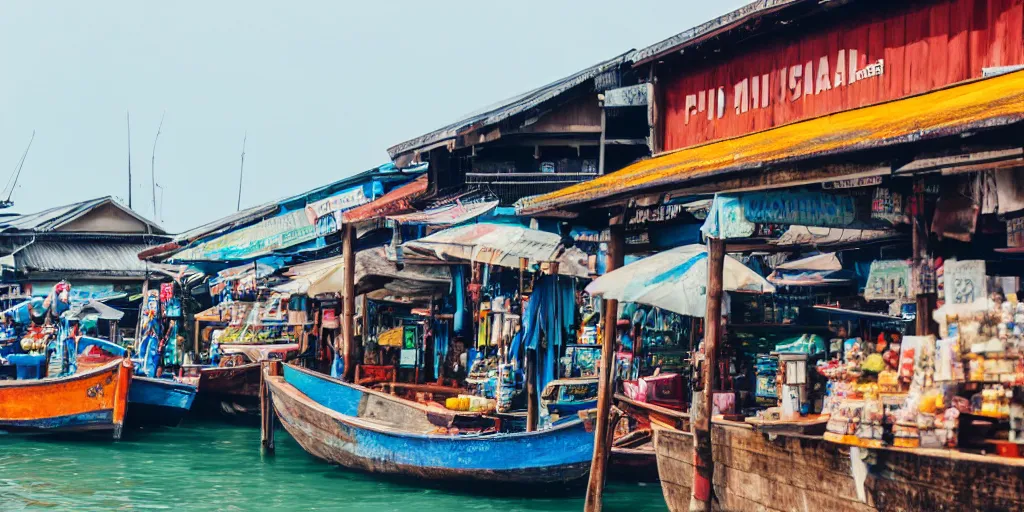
[{"x": 548, "y": 314}]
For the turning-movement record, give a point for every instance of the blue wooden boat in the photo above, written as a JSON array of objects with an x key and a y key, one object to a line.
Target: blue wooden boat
[
  {"x": 151, "y": 401},
  {"x": 365, "y": 430},
  {"x": 565, "y": 397},
  {"x": 159, "y": 402}
]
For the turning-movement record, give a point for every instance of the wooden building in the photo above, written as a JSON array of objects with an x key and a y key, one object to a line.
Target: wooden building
[
  {"x": 92, "y": 244},
  {"x": 536, "y": 142},
  {"x": 791, "y": 95}
]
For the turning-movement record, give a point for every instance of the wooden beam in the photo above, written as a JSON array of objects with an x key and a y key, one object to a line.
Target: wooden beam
[
  {"x": 926, "y": 302},
  {"x": 605, "y": 387},
  {"x": 196, "y": 345},
  {"x": 348, "y": 300},
  {"x": 749, "y": 182},
  {"x": 701, "y": 497},
  {"x": 952, "y": 163}
]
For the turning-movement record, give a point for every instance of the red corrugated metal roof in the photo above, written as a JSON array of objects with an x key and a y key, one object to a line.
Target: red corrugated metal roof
[{"x": 398, "y": 200}]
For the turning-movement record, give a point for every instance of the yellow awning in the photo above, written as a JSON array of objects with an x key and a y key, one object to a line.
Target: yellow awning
[{"x": 985, "y": 103}]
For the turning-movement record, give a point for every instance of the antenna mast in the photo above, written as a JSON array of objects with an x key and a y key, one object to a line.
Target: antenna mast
[
  {"x": 241, "y": 170},
  {"x": 12, "y": 182},
  {"x": 152, "y": 161},
  {"x": 128, "y": 117}
]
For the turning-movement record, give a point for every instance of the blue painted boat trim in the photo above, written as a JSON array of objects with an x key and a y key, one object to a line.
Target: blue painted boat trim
[
  {"x": 161, "y": 393},
  {"x": 331, "y": 394},
  {"x": 562, "y": 445},
  {"x": 93, "y": 419}
]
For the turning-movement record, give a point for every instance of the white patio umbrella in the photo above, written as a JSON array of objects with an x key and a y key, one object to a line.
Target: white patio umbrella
[{"x": 675, "y": 280}]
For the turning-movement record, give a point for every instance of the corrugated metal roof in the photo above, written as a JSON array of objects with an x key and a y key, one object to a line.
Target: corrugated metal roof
[
  {"x": 256, "y": 213},
  {"x": 728, "y": 21},
  {"x": 53, "y": 218},
  {"x": 985, "y": 103},
  {"x": 238, "y": 218},
  {"x": 90, "y": 257},
  {"x": 505, "y": 109}
]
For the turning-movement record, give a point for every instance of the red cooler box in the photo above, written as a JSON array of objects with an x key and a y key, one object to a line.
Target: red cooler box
[{"x": 665, "y": 390}]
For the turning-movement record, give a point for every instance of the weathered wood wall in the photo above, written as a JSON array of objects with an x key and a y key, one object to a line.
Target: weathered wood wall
[
  {"x": 803, "y": 473},
  {"x": 809, "y": 71}
]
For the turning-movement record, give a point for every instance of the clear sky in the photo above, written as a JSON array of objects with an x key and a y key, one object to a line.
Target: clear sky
[{"x": 323, "y": 87}]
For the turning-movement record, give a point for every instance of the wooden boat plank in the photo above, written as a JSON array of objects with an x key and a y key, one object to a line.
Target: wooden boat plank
[
  {"x": 760, "y": 488},
  {"x": 674, "y": 450},
  {"x": 994, "y": 485},
  {"x": 810, "y": 451},
  {"x": 791, "y": 474},
  {"x": 800, "y": 472}
]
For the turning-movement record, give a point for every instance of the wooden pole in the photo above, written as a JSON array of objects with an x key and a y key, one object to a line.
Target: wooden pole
[
  {"x": 605, "y": 388},
  {"x": 349, "y": 300},
  {"x": 269, "y": 369},
  {"x": 601, "y": 143},
  {"x": 532, "y": 412},
  {"x": 925, "y": 301},
  {"x": 196, "y": 347},
  {"x": 704, "y": 467}
]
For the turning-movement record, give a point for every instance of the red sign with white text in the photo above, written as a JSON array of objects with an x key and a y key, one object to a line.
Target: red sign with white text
[{"x": 866, "y": 60}]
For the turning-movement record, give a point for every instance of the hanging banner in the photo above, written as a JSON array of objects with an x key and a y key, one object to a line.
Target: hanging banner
[
  {"x": 965, "y": 281},
  {"x": 726, "y": 219},
  {"x": 259, "y": 239},
  {"x": 340, "y": 202},
  {"x": 888, "y": 280},
  {"x": 447, "y": 215}
]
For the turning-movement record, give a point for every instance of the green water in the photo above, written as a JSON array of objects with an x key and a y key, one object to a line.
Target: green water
[{"x": 212, "y": 466}]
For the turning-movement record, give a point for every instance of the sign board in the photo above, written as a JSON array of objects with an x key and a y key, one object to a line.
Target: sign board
[
  {"x": 807, "y": 208},
  {"x": 275, "y": 233},
  {"x": 1015, "y": 233},
  {"x": 888, "y": 280},
  {"x": 655, "y": 214},
  {"x": 581, "y": 392},
  {"x": 863, "y": 181},
  {"x": 842, "y": 63},
  {"x": 408, "y": 358},
  {"x": 630, "y": 96},
  {"x": 965, "y": 281}
]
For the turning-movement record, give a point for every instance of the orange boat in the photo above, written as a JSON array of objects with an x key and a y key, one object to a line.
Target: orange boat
[{"x": 95, "y": 399}]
